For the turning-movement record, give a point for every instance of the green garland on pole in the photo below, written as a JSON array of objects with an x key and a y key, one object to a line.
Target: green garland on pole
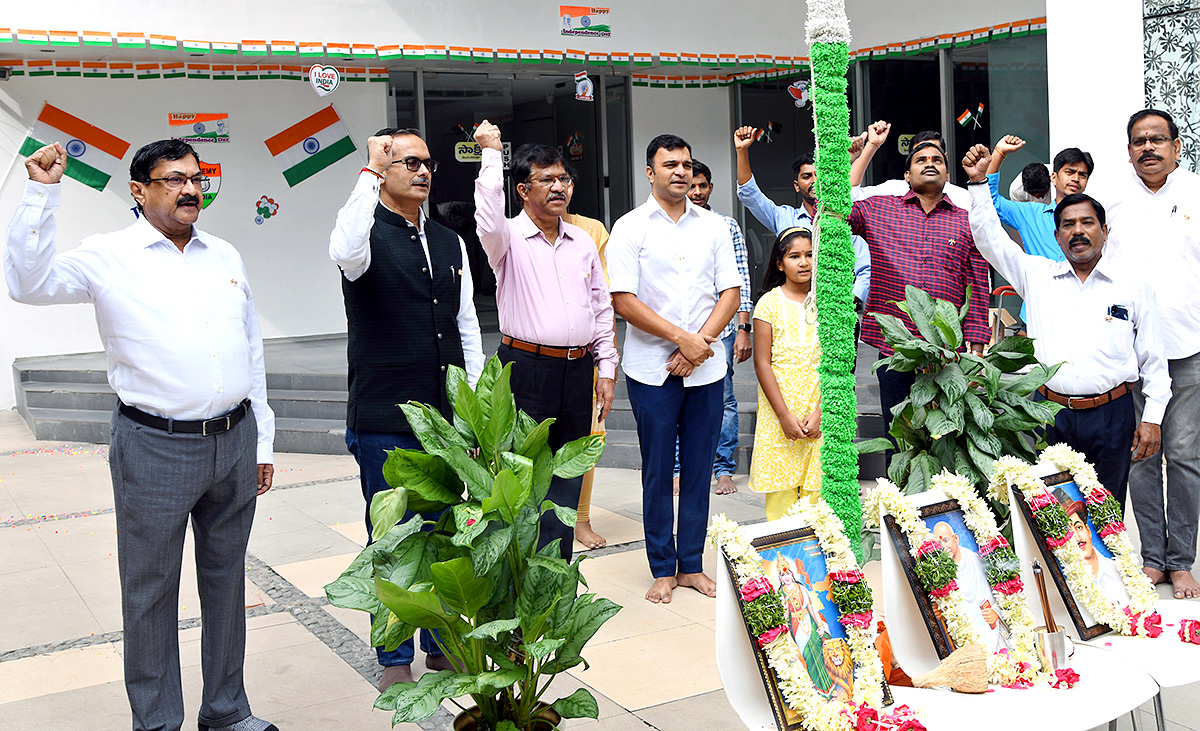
[{"x": 828, "y": 37}]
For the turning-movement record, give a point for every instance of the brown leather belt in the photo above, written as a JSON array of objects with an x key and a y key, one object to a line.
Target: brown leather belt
[
  {"x": 1082, "y": 403},
  {"x": 568, "y": 353}
]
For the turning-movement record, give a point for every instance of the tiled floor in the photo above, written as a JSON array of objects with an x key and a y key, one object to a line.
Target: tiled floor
[{"x": 60, "y": 647}]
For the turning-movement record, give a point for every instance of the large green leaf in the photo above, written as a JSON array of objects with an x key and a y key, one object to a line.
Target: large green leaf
[
  {"x": 425, "y": 474},
  {"x": 458, "y": 586},
  {"x": 508, "y": 496},
  {"x": 543, "y": 473},
  {"x": 483, "y": 389},
  {"x": 466, "y": 405},
  {"x": 579, "y": 456},
  {"x": 1012, "y": 353},
  {"x": 939, "y": 424},
  {"x": 469, "y": 522},
  {"x": 565, "y": 515},
  {"x": 1029, "y": 382},
  {"x": 537, "y": 437},
  {"x": 421, "y": 609},
  {"x": 984, "y": 440},
  {"x": 945, "y": 319},
  {"x": 492, "y": 630},
  {"x": 352, "y": 592},
  {"x": 362, "y": 564},
  {"x": 587, "y": 616},
  {"x": 497, "y": 432},
  {"x": 983, "y": 462},
  {"x": 417, "y": 701},
  {"x": 387, "y": 509},
  {"x": 873, "y": 446},
  {"x": 920, "y": 307},
  {"x": 543, "y": 648},
  {"x": 924, "y": 390},
  {"x": 894, "y": 331},
  {"x": 919, "y": 416},
  {"x": 431, "y": 428},
  {"x": 522, "y": 427},
  {"x": 952, "y": 381},
  {"x": 980, "y": 414},
  {"x": 924, "y": 466},
  {"x": 455, "y": 376},
  {"x": 580, "y": 704},
  {"x": 519, "y": 465},
  {"x": 899, "y": 468},
  {"x": 953, "y": 409},
  {"x": 490, "y": 548},
  {"x": 413, "y": 558},
  {"x": 387, "y": 631}
]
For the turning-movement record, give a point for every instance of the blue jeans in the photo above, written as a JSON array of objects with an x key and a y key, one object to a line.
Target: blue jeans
[
  {"x": 725, "y": 462},
  {"x": 370, "y": 451}
]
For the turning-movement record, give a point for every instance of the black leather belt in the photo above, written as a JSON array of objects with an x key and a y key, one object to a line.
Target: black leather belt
[{"x": 207, "y": 427}]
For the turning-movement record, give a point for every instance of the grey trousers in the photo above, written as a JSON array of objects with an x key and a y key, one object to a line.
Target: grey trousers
[
  {"x": 161, "y": 480},
  {"x": 1167, "y": 519}
]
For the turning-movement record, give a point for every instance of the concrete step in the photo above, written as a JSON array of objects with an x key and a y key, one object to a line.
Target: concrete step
[
  {"x": 60, "y": 375},
  {"x": 307, "y": 404},
  {"x": 312, "y": 436},
  {"x": 71, "y": 425},
  {"x": 68, "y": 395}
]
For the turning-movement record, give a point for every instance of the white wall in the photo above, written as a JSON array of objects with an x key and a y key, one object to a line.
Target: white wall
[
  {"x": 1081, "y": 114},
  {"x": 700, "y": 116},
  {"x": 297, "y": 290}
]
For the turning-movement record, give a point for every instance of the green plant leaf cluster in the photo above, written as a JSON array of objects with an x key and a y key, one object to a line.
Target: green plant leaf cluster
[
  {"x": 509, "y": 617},
  {"x": 1107, "y": 511},
  {"x": 964, "y": 411},
  {"x": 936, "y": 569},
  {"x": 851, "y": 598},
  {"x": 1001, "y": 565},
  {"x": 764, "y": 613},
  {"x": 1052, "y": 521}
]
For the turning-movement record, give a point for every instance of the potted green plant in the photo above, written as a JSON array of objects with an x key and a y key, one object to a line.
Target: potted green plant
[
  {"x": 508, "y": 616},
  {"x": 964, "y": 411}
]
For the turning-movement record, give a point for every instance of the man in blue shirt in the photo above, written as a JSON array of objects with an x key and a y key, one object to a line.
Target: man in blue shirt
[{"x": 782, "y": 217}]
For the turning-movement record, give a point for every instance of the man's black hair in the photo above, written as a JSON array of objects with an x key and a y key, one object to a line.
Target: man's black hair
[
  {"x": 664, "y": 142},
  {"x": 699, "y": 168},
  {"x": 149, "y": 156},
  {"x": 929, "y": 135},
  {"x": 805, "y": 159},
  {"x": 1035, "y": 179},
  {"x": 399, "y": 132},
  {"x": 1139, "y": 116},
  {"x": 531, "y": 154},
  {"x": 923, "y": 144},
  {"x": 1075, "y": 199},
  {"x": 1073, "y": 156}
]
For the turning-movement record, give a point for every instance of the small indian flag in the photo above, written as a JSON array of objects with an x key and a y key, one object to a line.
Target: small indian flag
[
  {"x": 763, "y": 59},
  {"x": 929, "y": 44},
  {"x": 531, "y": 55},
  {"x": 93, "y": 155},
  {"x": 945, "y": 40},
  {"x": 377, "y": 74},
  {"x": 435, "y": 51},
  {"x": 1037, "y": 26},
  {"x": 247, "y": 72},
  {"x": 97, "y": 38},
  {"x": 339, "y": 49},
  {"x": 64, "y": 38},
  {"x": 895, "y": 49},
  {"x": 292, "y": 73},
  {"x": 550, "y": 55},
  {"x": 1020, "y": 28},
  {"x": 131, "y": 40},
  {"x": 727, "y": 59},
  {"x": 658, "y": 82},
  {"x": 67, "y": 68},
  {"x": 414, "y": 51},
  {"x": 642, "y": 59},
  {"x": 199, "y": 71},
  {"x": 196, "y": 46},
  {"x": 912, "y": 48},
  {"x": 223, "y": 71},
  {"x": 709, "y": 82},
  {"x": 706, "y": 59},
  {"x": 674, "y": 82},
  {"x": 641, "y": 80},
  {"x": 462, "y": 53},
  {"x": 225, "y": 48},
  {"x": 486, "y": 55},
  {"x": 268, "y": 71},
  {"x": 120, "y": 70},
  {"x": 311, "y": 145},
  {"x": 574, "y": 55},
  {"x": 311, "y": 48},
  {"x": 6, "y": 35},
  {"x": 668, "y": 59},
  {"x": 353, "y": 73},
  {"x": 362, "y": 50},
  {"x": 597, "y": 57},
  {"x": 1001, "y": 31},
  {"x": 32, "y": 37},
  {"x": 393, "y": 51},
  {"x": 148, "y": 71},
  {"x": 980, "y": 35},
  {"x": 965, "y": 118},
  {"x": 91, "y": 69},
  {"x": 284, "y": 48},
  {"x": 962, "y": 38},
  {"x": 39, "y": 67},
  {"x": 745, "y": 59},
  {"x": 691, "y": 82},
  {"x": 254, "y": 48},
  {"x": 507, "y": 55},
  {"x": 878, "y": 51},
  {"x": 163, "y": 43},
  {"x": 173, "y": 70}
]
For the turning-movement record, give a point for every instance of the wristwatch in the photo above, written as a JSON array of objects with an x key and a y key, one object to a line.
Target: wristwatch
[{"x": 745, "y": 327}]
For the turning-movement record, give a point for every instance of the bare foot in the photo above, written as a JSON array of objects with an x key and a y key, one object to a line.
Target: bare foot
[
  {"x": 1185, "y": 585},
  {"x": 675, "y": 486},
  {"x": 725, "y": 485},
  {"x": 660, "y": 593},
  {"x": 393, "y": 674},
  {"x": 588, "y": 537},
  {"x": 438, "y": 662},
  {"x": 699, "y": 582},
  {"x": 1156, "y": 576}
]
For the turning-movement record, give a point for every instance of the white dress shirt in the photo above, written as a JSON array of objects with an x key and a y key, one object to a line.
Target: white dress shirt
[
  {"x": 678, "y": 270},
  {"x": 1071, "y": 321},
  {"x": 350, "y": 249},
  {"x": 958, "y": 195},
  {"x": 179, "y": 327},
  {"x": 1158, "y": 235}
]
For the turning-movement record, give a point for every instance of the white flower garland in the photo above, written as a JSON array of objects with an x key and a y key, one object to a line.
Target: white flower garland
[
  {"x": 1142, "y": 595},
  {"x": 794, "y": 684},
  {"x": 826, "y": 22}
]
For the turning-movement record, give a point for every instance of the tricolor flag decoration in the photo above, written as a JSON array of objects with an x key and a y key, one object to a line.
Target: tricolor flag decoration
[
  {"x": 980, "y": 35},
  {"x": 148, "y": 71},
  {"x": 199, "y": 71},
  {"x": 531, "y": 55},
  {"x": 284, "y": 48},
  {"x": 962, "y": 38},
  {"x": 549, "y": 55},
  {"x": 574, "y": 55},
  {"x": 727, "y": 59},
  {"x": 460, "y": 53},
  {"x": 92, "y": 154},
  {"x": 293, "y": 73},
  {"x": 257, "y": 47},
  {"x": 706, "y": 59},
  {"x": 310, "y": 49},
  {"x": 64, "y": 38},
  {"x": 196, "y": 46},
  {"x": 619, "y": 58},
  {"x": 668, "y": 59},
  {"x": 247, "y": 72},
  {"x": 414, "y": 51},
  {"x": 690, "y": 59},
  {"x": 394, "y": 50},
  {"x": 228, "y": 48},
  {"x": 67, "y": 68},
  {"x": 435, "y": 51},
  {"x": 343, "y": 49},
  {"x": 173, "y": 70},
  {"x": 1020, "y": 28},
  {"x": 131, "y": 40},
  {"x": 269, "y": 71},
  {"x": 6, "y": 35},
  {"x": 164, "y": 43},
  {"x": 1037, "y": 26},
  {"x": 486, "y": 55},
  {"x": 32, "y": 37},
  {"x": 641, "y": 80},
  {"x": 945, "y": 40},
  {"x": 507, "y": 55},
  {"x": 220, "y": 71},
  {"x": 43, "y": 67},
  {"x": 91, "y": 69},
  {"x": 363, "y": 50},
  {"x": 643, "y": 58},
  {"x": 97, "y": 38},
  {"x": 311, "y": 145},
  {"x": 745, "y": 59},
  {"x": 120, "y": 70},
  {"x": 1001, "y": 31}
]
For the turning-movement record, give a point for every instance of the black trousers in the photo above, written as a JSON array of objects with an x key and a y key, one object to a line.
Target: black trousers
[
  {"x": 1103, "y": 435},
  {"x": 561, "y": 389}
]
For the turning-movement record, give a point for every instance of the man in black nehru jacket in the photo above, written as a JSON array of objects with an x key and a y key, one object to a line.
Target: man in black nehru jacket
[{"x": 409, "y": 317}]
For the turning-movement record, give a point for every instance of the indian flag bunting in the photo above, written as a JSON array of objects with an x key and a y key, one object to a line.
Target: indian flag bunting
[
  {"x": 641, "y": 80},
  {"x": 196, "y": 46},
  {"x": 895, "y": 49},
  {"x": 878, "y": 51},
  {"x": 692, "y": 59},
  {"x": 18, "y": 66},
  {"x": 32, "y": 37},
  {"x": 93, "y": 155},
  {"x": 461, "y": 53},
  {"x": 91, "y": 69},
  {"x": 131, "y": 40},
  {"x": 709, "y": 82},
  {"x": 1020, "y": 28},
  {"x": 507, "y": 55},
  {"x": 727, "y": 59},
  {"x": 343, "y": 49},
  {"x": 163, "y": 43},
  {"x": 393, "y": 51},
  {"x": 945, "y": 40},
  {"x": 1037, "y": 26},
  {"x": 364, "y": 50},
  {"x": 913, "y": 47},
  {"x": 574, "y": 55},
  {"x": 929, "y": 44},
  {"x": 173, "y": 70},
  {"x": 67, "y": 68},
  {"x": 311, "y": 145},
  {"x": 284, "y": 48},
  {"x": 691, "y": 82},
  {"x": 292, "y": 73},
  {"x": 658, "y": 82},
  {"x": 254, "y": 48},
  {"x": 618, "y": 58},
  {"x": 531, "y": 55},
  {"x": 643, "y": 59},
  {"x": 1001, "y": 31},
  {"x": 551, "y": 56},
  {"x": 435, "y": 51},
  {"x": 962, "y": 38},
  {"x": 784, "y": 61},
  {"x": 486, "y": 55},
  {"x": 6, "y": 35},
  {"x": 225, "y": 48},
  {"x": 377, "y": 74},
  {"x": 746, "y": 59},
  {"x": 980, "y": 35},
  {"x": 414, "y": 52},
  {"x": 353, "y": 73},
  {"x": 674, "y": 82},
  {"x": 120, "y": 70},
  {"x": 763, "y": 59},
  {"x": 247, "y": 72},
  {"x": 223, "y": 71},
  {"x": 268, "y": 71},
  {"x": 708, "y": 59},
  {"x": 39, "y": 67},
  {"x": 148, "y": 71},
  {"x": 310, "y": 49},
  {"x": 97, "y": 38},
  {"x": 600, "y": 58},
  {"x": 199, "y": 71},
  {"x": 64, "y": 38},
  {"x": 668, "y": 59}
]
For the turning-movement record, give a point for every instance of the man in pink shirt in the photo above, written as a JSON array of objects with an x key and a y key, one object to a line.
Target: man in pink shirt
[{"x": 556, "y": 316}]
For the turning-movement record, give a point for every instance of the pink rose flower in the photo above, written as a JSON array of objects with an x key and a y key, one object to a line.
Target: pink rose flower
[
  {"x": 942, "y": 591},
  {"x": 1053, "y": 542},
  {"x": 866, "y": 718},
  {"x": 1152, "y": 623},
  {"x": 1010, "y": 587},
  {"x": 755, "y": 588},
  {"x": 992, "y": 545},
  {"x": 846, "y": 577},
  {"x": 1040, "y": 500},
  {"x": 929, "y": 546},
  {"x": 1189, "y": 631},
  {"x": 1065, "y": 678},
  {"x": 770, "y": 635},
  {"x": 1096, "y": 495},
  {"x": 1114, "y": 528},
  {"x": 862, "y": 620}
]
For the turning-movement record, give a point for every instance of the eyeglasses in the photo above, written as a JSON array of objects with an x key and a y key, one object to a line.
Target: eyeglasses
[
  {"x": 549, "y": 180},
  {"x": 175, "y": 182},
  {"x": 1151, "y": 141},
  {"x": 413, "y": 164}
]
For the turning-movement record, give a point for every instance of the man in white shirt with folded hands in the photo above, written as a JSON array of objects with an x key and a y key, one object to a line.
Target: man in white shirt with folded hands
[{"x": 1092, "y": 316}]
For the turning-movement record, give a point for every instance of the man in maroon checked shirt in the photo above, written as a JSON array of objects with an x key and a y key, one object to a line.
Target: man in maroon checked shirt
[{"x": 919, "y": 238}]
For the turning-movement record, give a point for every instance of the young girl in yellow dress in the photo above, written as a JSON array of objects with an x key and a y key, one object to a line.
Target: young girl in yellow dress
[{"x": 786, "y": 463}]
